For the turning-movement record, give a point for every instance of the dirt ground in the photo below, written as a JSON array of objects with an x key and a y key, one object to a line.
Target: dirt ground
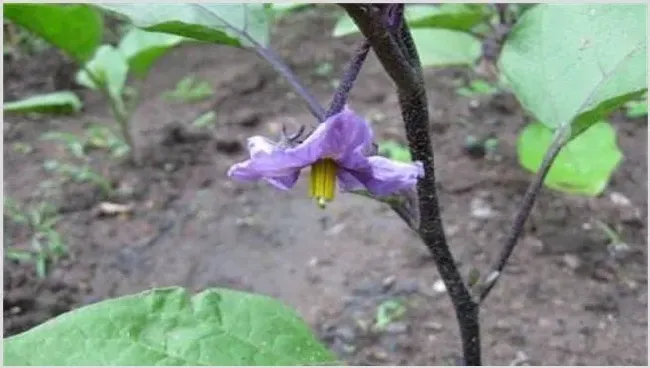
[{"x": 565, "y": 300}]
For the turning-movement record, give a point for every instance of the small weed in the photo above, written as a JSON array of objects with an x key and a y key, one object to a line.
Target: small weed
[
  {"x": 205, "y": 120},
  {"x": 22, "y": 148},
  {"x": 324, "y": 69},
  {"x": 102, "y": 137},
  {"x": 387, "y": 312},
  {"x": 73, "y": 144},
  {"x": 19, "y": 42},
  {"x": 82, "y": 173},
  {"x": 46, "y": 244},
  {"x": 189, "y": 90},
  {"x": 476, "y": 88}
]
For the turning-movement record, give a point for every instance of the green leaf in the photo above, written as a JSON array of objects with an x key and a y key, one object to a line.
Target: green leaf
[
  {"x": 189, "y": 90},
  {"x": 394, "y": 151},
  {"x": 482, "y": 87},
  {"x": 41, "y": 265},
  {"x": 573, "y": 64},
  {"x": 108, "y": 67},
  {"x": 460, "y": 17},
  {"x": 75, "y": 29},
  {"x": 142, "y": 48},
  {"x": 388, "y": 312},
  {"x": 235, "y": 25},
  {"x": 64, "y": 102},
  {"x": 170, "y": 327},
  {"x": 73, "y": 143},
  {"x": 583, "y": 166},
  {"x": 636, "y": 109},
  {"x": 442, "y": 47},
  {"x": 205, "y": 120},
  {"x": 477, "y": 87},
  {"x": 344, "y": 26},
  {"x": 19, "y": 255},
  {"x": 282, "y": 9}
]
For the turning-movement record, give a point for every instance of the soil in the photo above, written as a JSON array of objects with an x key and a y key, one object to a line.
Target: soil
[{"x": 565, "y": 299}]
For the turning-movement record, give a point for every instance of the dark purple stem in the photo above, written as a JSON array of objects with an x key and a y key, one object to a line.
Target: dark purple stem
[
  {"x": 393, "y": 14},
  {"x": 399, "y": 58},
  {"x": 269, "y": 55},
  {"x": 561, "y": 138},
  {"x": 349, "y": 77},
  {"x": 312, "y": 103}
]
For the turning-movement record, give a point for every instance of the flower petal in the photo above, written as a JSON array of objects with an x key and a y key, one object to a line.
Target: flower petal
[
  {"x": 284, "y": 182},
  {"x": 337, "y": 137},
  {"x": 267, "y": 161},
  {"x": 349, "y": 182},
  {"x": 390, "y": 176}
]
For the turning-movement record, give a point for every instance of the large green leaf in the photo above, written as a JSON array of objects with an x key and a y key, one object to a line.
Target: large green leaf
[
  {"x": 572, "y": 64},
  {"x": 443, "y": 47},
  {"x": 234, "y": 24},
  {"x": 142, "y": 48},
  {"x": 344, "y": 26},
  {"x": 76, "y": 29},
  {"x": 109, "y": 68},
  {"x": 55, "y": 102},
  {"x": 170, "y": 327},
  {"x": 461, "y": 17},
  {"x": 583, "y": 166},
  {"x": 282, "y": 9}
]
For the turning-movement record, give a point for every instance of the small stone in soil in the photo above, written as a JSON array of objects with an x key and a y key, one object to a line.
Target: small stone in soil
[
  {"x": 378, "y": 354},
  {"x": 619, "y": 251},
  {"x": 245, "y": 221},
  {"x": 439, "y": 287},
  {"x": 480, "y": 209},
  {"x": 433, "y": 326},
  {"x": 388, "y": 282},
  {"x": 396, "y": 328},
  {"x": 571, "y": 261},
  {"x": 534, "y": 242}
]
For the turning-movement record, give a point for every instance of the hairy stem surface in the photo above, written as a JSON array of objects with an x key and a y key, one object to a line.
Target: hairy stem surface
[{"x": 403, "y": 66}]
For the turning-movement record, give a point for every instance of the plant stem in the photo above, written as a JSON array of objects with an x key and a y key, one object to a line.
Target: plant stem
[
  {"x": 123, "y": 119},
  {"x": 347, "y": 81},
  {"x": 312, "y": 103},
  {"x": 561, "y": 137},
  {"x": 269, "y": 55},
  {"x": 403, "y": 66},
  {"x": 119, "y": 111}
]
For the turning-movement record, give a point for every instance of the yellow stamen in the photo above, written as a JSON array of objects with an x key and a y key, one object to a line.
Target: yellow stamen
[{"x": 323, "y": 181}]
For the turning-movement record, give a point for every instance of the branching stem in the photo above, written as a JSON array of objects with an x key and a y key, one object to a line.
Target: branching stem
[
  {"x": 559, "y": 140},
  {"x": 400, "y": 60}
]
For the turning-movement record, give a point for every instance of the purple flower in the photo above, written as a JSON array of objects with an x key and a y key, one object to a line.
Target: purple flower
[{"x": 339, "y": 150}]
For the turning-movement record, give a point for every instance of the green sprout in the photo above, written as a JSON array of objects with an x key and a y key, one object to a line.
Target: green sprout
[
  {"x": 477, "y": 87},
  {"x": 47, "y": 245},
  {"x": 189, "y": 90},
  {"x": 387, "y": 312}
]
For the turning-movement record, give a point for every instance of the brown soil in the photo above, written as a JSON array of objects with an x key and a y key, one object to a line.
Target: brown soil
[{"x": 564, "y": 300}]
